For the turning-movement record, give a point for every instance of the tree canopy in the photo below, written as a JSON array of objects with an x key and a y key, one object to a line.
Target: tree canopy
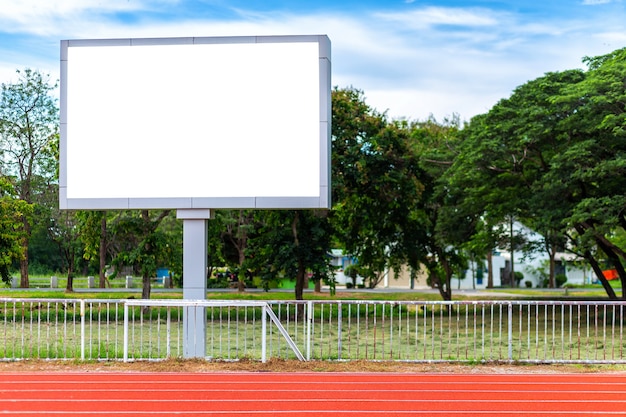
[
  {"x": 429, "y": 195},
  {"x": 29, "y": 135},
  {"x": 552, "y": 156}
]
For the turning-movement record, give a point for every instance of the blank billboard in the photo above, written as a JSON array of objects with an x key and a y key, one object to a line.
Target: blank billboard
[{"x": 195, "y": 123}]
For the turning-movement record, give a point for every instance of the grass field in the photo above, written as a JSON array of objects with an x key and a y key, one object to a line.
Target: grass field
[
  {"x": 40, "y": 288},
  {"x": 389, "y": 330}
]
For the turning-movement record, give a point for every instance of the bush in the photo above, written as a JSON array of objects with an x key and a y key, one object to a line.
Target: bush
[
  {"x": 528, "y": 284},
  {"x": 560, "y": 280}
]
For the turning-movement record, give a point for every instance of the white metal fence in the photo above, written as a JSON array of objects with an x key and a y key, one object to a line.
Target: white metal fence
[{"x": 481, "y": 331}]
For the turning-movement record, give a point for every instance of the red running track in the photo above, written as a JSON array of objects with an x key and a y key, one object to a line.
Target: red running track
[{"x": 314, "y": 394}]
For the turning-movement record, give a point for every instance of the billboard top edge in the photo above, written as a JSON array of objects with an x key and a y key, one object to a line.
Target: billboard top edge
[{"x": 194, "y": 40}]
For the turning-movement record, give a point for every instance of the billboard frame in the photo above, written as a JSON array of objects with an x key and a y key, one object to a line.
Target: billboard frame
[{"x": 321, "y": 200}]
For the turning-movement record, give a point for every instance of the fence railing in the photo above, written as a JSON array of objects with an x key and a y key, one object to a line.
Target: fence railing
[{"x": 420, "y": 331}]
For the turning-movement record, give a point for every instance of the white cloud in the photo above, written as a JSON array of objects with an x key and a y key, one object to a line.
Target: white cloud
[
  {"x": 19, "y": 10},
  {"x": 431, "y": 16},
  {"x": 595, "y": 2},
  {"x": 49, "y": 17},
  {"x": 432, "y": 60}
]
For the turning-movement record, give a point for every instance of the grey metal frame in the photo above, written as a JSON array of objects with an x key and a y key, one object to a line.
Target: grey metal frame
[{"x": 200, "y": 202}]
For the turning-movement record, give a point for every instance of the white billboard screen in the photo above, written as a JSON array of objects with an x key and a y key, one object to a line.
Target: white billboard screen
[{"x": 241, "y": 122}]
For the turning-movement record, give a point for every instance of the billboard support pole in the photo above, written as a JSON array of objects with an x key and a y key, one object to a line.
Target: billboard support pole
[{"x": 195, "y": 236}]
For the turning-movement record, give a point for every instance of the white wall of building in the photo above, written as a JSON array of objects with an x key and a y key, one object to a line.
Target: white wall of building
[{"x": 527, "y": 264}]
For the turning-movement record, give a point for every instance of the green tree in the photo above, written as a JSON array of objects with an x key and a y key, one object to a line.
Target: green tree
[
  {"x": 29, "y": 134},
  {"x": 597, "y": 162},
  {"x": 43, "y": 253},
  {"x": 63, "y": 231},
  {"x": 376, "y": 184},
  {"x": 237, "y": 227},
  {"x": 215, "y": 245},
  {"x": 94, "y": 235},
  {"x": 507, "y": 154},
  {"x": 439, "y": 229},
  {"x": 140, "y": 243},
  {"x": 12, "y": 211},
  {"x": 552, "y": 156},
  {"x": 292, "y": 243}
]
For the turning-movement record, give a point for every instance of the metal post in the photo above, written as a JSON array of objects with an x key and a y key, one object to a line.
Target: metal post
[
  {"x": 126, "y": 332},
  {"x": 264, "y": 334},
  {"x": 339, "y": 329},
  {"x": 82, "y": 330},
  {"x": 169, "y": 332},
  {"x": 195, "y": 235},
  {"x": 309, "y": 325},
  {"x": 510, "y": 338}
]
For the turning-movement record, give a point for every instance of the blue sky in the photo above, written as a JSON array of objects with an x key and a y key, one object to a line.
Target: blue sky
[{"x": 411, "y": 58}]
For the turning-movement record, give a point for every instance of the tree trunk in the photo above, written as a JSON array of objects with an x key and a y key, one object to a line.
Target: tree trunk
[
  {"x": 443, "y": 282},
  {"x": 300, "y": 276},
  {"x": 241, "y": 276},
  {"x": 24, "y": 261},
  {"x": 473, "y": 266},
  {"x": 148, "y": 228},
  {"x": 146, "y": 287},
  {"x": 445, "y": 290},
  {"x": 513, "y": 280},
  {"x": 103, "y": 250},
  {"x": 551, "y": 279},
  {"x": 617, "y": 264},
  {"x": 70, "y": 280},
  {"x": 241, "y": 245},
  {"x": 443, "y": 285},
  {"x": 24, "y": 270},
  {"x": 241, "y": 283},
  {"x": 489, "y": 270},
  {"x": 598, "y": 271},
  {"x": 318, "y": 286}
]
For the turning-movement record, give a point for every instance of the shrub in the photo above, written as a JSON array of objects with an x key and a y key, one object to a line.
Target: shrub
[{"x": 560, "y": 280}]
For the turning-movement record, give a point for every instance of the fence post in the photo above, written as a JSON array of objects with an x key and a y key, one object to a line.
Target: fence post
[
  {"x": 264, "y": 334},
  {"x": 510, "y": 331},
  {"x": 339, "y": 328},
  {"x": 169, "y": 332},
  {"x": 126, "y": 332},
  {"x": 309, "y": 326},
  {"x": 82, "y": 330}
]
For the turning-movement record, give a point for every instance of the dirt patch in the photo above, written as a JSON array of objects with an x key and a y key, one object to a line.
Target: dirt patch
[{"x": 178, "y": 365}]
